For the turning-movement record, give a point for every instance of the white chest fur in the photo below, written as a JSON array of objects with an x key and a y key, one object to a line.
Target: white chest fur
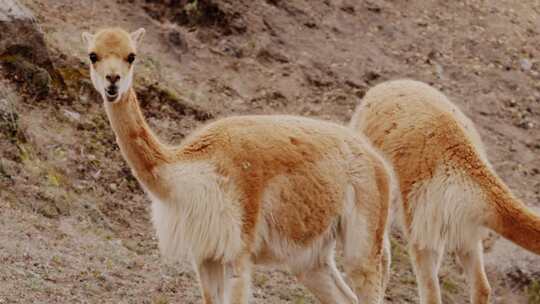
[{"x": 202, "y": 219}]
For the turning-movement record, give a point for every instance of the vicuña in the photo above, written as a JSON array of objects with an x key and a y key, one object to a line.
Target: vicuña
[
  {"x": 254, "y": 189},
  {"x": 449, "y": 191}
]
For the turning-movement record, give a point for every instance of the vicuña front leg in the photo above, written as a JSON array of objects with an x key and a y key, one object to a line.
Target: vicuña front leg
[
  {"x": 212, "y": 279},
  {"x": 473, "y": 264},
  {"x": 238, "y": 280},
  {"x": 426, "y": 266}
]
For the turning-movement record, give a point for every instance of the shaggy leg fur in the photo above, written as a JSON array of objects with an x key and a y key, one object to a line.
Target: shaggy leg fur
[
  {"x": 473, "y": 264},
  {"x": 367, "y": 263},
  {"x": 386, "y": 262},
  {"x": 426, "y": 266},
  {"x": 239, "y": 280},
  {"x": 326, "y": 283},
  {"x": 367, "y": 279},
  {"x": 212, "y": 279},
  {"x": 366, "y": 256}
]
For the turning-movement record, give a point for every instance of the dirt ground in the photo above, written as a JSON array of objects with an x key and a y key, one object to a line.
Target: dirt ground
[{"x": 74, "y": 224}]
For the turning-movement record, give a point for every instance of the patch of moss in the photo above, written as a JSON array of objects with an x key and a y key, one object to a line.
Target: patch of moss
[
  {"x": 74, "y": 78},
  {"x": 408, "y": 280},
  {"x": 53, "y": 202},
  {"x": 192, "y": 8},
  {"x": 9, "y": 124},
  {"x": 3, "y": 172},
  {"x": 260, "y": 279},
  {"x": 57, "y": 260},
  {"x": 449, "y": 286},
  {"x": 533, "y": 292},
  {"x": 202, "y": 12},
  {"x": 170, "y": 94},
  {"x": 35, "y": 78},
  {"x": 73, "y": 75},
  {"x": 399, "y": 252},
  {"x": 25, "y": 154},
  {"x": 160, "y": 300},
  {"x": 54, "y": 178},
  {"x": 300, "y": 300},
  {"x": 164, "y": 95}
]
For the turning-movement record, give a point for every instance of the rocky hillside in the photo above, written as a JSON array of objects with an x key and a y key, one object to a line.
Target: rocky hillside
[{"x": 74, "y": 224}]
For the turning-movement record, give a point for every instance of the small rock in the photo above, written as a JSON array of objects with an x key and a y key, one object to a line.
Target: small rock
[
  {"x": 52, "y": 204},
  {"x": 176, "y": 39},
  {"x": 421, "y": 23},
  {"x": 96, "y": 174},
  {"x": 439, "y": 70},
  {"x": 133, "y": 246},
  {"x": 526, "y": 125},
  {"x": 109, "y": 286},
  {"x": 525, "y": 64},
  {"x": 348, "y": 9},
  {"x": 373, "y": 7},
  {"x": 48, "y": 210},
  {"x": 36, "y": 78},
  {"x": 371, "y": 76},
  {"x": 113, "y": 187},
  {"x": 63, "y": 206},
  {"x": 238, "y": 24},
  {"x": 74, "y": 116},
  {"x": 271, "y": 55},
  {"x": 83, "y": 98},
  {"x": 310, "y": 24}
]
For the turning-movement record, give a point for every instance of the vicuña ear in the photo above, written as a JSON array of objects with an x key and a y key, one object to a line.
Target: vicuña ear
[
  {"x": 87, "y": 37},
  {"x": 137, "y": 36}
]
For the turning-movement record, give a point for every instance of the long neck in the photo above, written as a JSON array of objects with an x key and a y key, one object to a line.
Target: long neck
[{"x": 140, "y": 147}]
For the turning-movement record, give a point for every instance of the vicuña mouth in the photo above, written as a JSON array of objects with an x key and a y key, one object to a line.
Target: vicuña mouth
[{"x": 111, "y": 94}]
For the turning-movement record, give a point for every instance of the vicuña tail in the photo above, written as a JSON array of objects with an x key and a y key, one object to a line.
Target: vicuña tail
[{"x": 508, "y": 216}]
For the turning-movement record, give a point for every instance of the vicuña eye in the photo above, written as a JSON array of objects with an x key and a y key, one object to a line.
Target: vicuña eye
[
  {"x": 93, "y": 57},
  {"x": 130, "y": 58}
]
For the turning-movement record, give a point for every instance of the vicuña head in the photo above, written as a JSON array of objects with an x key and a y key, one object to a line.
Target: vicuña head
[{"x": 112, "y": 53}]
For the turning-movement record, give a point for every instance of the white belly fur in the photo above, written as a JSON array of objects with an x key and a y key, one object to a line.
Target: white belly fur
[{"x": 448, "y": 210}]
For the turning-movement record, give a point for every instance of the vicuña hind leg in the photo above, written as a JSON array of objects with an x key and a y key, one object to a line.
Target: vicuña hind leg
[
  {"x": 426, "y": 266},
  {"x": 367, "y": 277},
  {"x": 326, "y": 283},
  {"x": 212, "y": 279},
  {"x": 473, "y": 264},
  {"x": 366, "y": 252}
]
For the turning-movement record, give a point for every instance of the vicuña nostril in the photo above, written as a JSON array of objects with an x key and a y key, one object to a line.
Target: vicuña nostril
[{"x": 112, "y": 78}]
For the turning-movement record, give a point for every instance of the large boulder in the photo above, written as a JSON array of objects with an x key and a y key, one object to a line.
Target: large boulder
[
  {"x": 20, "y": 34},
  {"x": 23, "y": 49}
]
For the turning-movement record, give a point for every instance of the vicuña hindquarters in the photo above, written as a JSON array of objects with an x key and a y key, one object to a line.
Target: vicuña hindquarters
[{"x": 449, "y": 191}]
